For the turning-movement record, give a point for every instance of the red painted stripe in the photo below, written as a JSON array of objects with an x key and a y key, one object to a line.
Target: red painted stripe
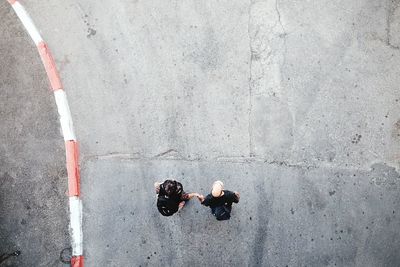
[
  {"x": 50, "y": 66},
  {"x": 77, "y": 261},
  {"x": 72, "y": 153},
  {"x": 12, "y": 1}
]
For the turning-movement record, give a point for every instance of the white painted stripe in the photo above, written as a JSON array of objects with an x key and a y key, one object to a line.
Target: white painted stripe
[
  {"x": 75, "y": 209},
  {"x": 28, "y": 23},
  {"x": 65, "y": 115},
  {"x": 75, "y": 204}
]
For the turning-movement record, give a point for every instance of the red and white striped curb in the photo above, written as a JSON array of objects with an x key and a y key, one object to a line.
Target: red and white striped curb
[{"x": 71, "y": 146}]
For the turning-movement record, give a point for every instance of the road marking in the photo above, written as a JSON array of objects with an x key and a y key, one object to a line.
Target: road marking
[
  {"x": 71, "y": 146},
  {"x": 71, "y": 149},
  {"x": 50, "y": 66},
  {"x": 75, "y": 209},
  {"x": 64, "y": 112},
  {"x": 26, "y": 21}
]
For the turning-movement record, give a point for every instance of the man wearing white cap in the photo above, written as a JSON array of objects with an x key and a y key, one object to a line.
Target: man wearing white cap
[{"x": 220, "y": 201}]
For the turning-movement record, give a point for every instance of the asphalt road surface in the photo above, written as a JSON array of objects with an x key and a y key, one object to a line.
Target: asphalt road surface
[
  {"x": 293, "y": 104},
  {"x": 33, "y": 182}
]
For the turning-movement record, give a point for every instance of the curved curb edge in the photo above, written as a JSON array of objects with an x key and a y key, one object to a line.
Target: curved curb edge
[{"x": 71, "y": 145}]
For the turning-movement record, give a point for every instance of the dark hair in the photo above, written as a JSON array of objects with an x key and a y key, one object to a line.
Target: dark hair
[{"x": 170, "y": 187}]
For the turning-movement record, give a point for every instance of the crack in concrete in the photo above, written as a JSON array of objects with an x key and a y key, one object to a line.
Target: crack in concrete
[
  {"x": 263, "y": 43},
  {"x": 111, "y": 155},
  {"x": 220, "y": 159},
  {"x": 279, "y": 14},
  {"x": 166, "y": 153},
  {"x": 283, "y": 35},
  {"x": 283, "y": 64},
  {"x": 390, "y": 12},
  {"x": 227, "y": 159},
  {"x": 249, "y": 83},
  {"x": 291, "y": 165}
]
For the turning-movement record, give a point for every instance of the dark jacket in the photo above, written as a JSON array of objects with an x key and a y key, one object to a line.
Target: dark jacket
[
  {"x": 168, "y": 204},
  {"x": 227, "y": 199}
]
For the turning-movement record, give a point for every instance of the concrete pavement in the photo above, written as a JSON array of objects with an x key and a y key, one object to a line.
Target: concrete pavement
[
  {"x": 287, "y": 216},
  {"x": 296, "y": 105}
]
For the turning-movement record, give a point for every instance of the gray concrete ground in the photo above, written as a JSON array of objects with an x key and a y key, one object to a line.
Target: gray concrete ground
[
  {"x": 294, "y": 104},
  {"x": 33, "y": 204}
]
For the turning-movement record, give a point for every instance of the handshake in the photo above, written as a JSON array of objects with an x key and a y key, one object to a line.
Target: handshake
[
  {"x": 172, "y": 198},
  {"x": 201, "y": 197}
]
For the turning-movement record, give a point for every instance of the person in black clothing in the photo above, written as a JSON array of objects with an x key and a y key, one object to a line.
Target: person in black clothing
[
  {"x": 220, "y": 201},
  {"x": 171, "y": 197}
]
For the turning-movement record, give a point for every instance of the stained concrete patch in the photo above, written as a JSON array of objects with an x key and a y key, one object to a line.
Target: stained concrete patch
[{"x": 386, "y": 176}]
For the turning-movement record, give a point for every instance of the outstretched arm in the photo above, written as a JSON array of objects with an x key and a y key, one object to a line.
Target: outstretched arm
[
  {"x": 237, "y": 197},
  {"x": 181, "y": 205},
  {"x": 157, "y": 187},
  {"x": 201, "y": 198},
  {"x": 191, "y": 195},
  {"x": 188, "y": 196}
]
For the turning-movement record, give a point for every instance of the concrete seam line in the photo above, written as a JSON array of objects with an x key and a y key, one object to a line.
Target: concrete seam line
[{"x": 71, "y": 146}]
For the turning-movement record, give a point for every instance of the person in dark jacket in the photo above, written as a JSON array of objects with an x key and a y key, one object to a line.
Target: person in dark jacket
[
  {"x": 171, "y": 197},
  {"x": 220, "y": 201}
]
